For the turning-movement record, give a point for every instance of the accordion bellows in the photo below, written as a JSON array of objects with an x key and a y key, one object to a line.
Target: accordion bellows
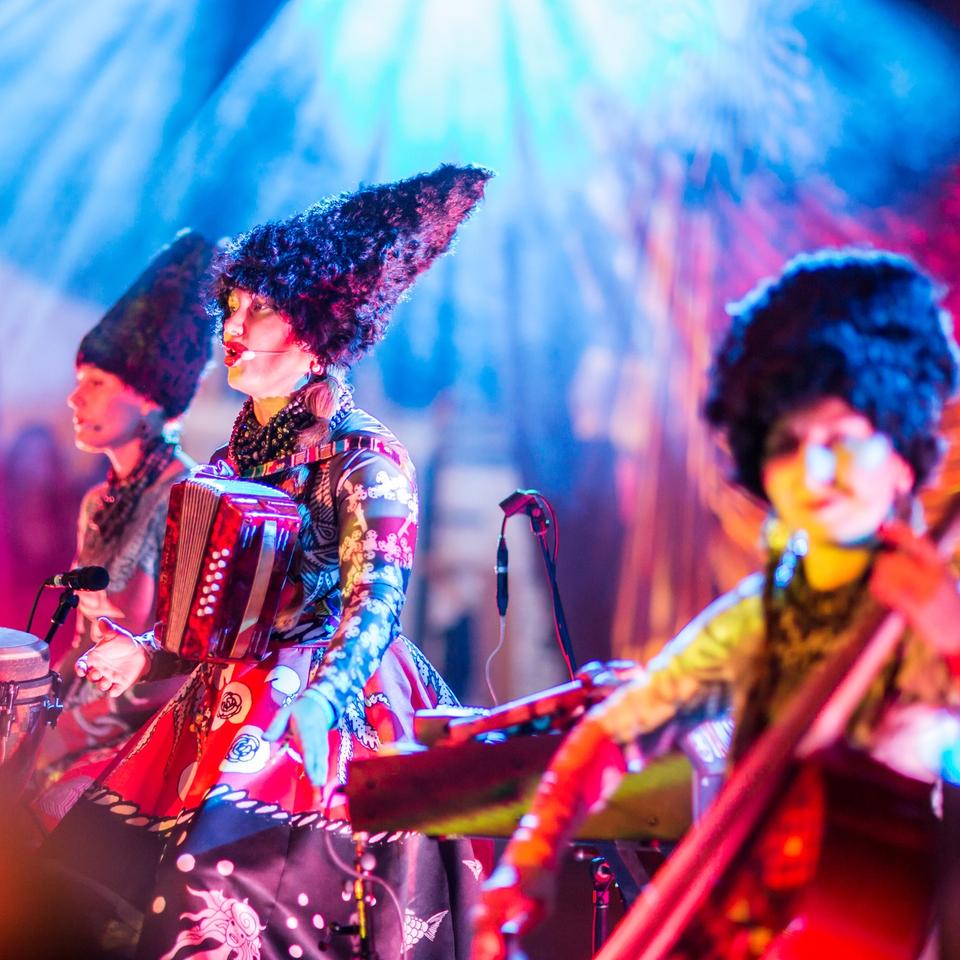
[{"x": 226, "y": 557}]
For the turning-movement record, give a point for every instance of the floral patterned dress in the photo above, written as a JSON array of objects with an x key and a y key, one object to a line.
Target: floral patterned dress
[{"x": 204, "y": 840}]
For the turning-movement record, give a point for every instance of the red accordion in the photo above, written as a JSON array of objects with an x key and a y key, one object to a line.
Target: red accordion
[{"x": 226, "y": 555}]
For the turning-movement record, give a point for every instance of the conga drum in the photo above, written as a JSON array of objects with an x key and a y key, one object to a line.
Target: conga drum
[{"x": 29, "y": 700}]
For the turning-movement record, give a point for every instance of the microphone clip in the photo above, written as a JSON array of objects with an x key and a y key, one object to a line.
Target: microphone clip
[{"x": 529, "y": 502}]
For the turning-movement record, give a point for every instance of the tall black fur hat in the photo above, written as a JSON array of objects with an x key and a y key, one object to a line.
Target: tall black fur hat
[
  {"x": 338, "y": 269},
  {"x": 864, "y": 326},
  {"x": 157, "y": 338}
]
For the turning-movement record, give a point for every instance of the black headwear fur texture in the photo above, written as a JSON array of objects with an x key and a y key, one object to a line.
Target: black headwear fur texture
[
  {"x": 157, "y": 338},
  {"x": 864, "y": 326},
  {"x": 338, "y": 269}
]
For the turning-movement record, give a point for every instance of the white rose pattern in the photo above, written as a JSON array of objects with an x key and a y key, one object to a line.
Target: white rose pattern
[
  {"x": 248, "y": 753},
  {"x": 233, "y": 705}
]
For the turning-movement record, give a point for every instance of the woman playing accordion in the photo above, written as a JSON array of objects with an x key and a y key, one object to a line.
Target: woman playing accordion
[{"x": 220, "y": 823}]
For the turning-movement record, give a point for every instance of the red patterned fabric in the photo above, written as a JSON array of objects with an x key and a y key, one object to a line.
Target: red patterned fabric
[
  {"x": 203, "y": 831},
  {"x": 211, "y": 735},
  {"x": 758, "y": 900}
]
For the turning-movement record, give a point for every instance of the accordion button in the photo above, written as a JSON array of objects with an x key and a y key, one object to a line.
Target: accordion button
[
  {"x": 214, "y": 588},
  {"x": 215, "y": 554},
  {"x": 218, "y": 576},
  {"x": 221, "y": 564},
  {"x": 225, "y": 552}
]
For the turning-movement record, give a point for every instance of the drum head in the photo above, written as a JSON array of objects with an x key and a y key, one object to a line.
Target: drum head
[{"x": 22, "y": 656}]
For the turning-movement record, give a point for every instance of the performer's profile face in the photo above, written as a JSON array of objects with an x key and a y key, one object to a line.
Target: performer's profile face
[
  {"x": 262, "y": 355},
  {"x": 106, "y": 412},
  {"x": 827, "y": 471}
]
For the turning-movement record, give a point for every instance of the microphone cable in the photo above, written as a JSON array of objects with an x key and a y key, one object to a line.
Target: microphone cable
[
  {"x": 33, "y": 609},
  {"x": 544, "y": 502},
  {"x": 351, "y": 871}
]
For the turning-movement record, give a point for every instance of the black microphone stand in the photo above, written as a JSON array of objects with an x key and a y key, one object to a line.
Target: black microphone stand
[
  {"x": 603, "y": 881},
  {"x": 539, "y": 522},
  {"x": 68, "y": 601}
]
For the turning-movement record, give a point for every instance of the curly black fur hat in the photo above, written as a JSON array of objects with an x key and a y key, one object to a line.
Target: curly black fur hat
[
  {"x": 865, "y": 326},
  {"x": 338, "y": 269},
  {"x": 157, "y": 338}
]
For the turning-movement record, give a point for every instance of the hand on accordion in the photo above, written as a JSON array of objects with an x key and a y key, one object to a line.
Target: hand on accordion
[
  {"x": 309, "y": 719},
  {"x": 115, "y": 662}
]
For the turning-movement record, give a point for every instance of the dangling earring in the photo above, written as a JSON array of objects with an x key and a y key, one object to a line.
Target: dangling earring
[
  {"x": 317, "y": 368},
  {"x": 790, "y": 545},
  {"x": 787, "y": 566}
]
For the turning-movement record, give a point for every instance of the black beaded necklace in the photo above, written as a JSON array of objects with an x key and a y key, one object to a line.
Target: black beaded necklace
[
  {"x": 252, "y": 443},
  {"x": 121, "y": 496}
]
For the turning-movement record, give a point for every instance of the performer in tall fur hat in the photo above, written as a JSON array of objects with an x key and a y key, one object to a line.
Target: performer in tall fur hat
[
  {"x": 137, "y": 371},
  {"x": 221, "y": 823},
  {"x": 829, "y": 387}
]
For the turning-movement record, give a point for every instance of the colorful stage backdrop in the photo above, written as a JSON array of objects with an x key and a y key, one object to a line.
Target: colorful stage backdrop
[{"x": 654, "y": 160}]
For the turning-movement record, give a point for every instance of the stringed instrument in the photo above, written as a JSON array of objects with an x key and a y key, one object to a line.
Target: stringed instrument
[{"x": 853, "y": 908}]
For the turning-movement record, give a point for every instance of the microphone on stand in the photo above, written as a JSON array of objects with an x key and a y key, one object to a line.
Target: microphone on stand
[
  {"x": 502, "y": 597},
  {"x": 542, "y": 517},
  {"x": 81, "y": 578},
  {"x": 501, "y": 571},
  {"x": 520, "y": 501}
]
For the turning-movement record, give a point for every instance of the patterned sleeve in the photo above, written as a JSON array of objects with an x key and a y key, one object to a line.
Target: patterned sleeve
[
  {"x": 705, "y": 657},
  {"x": 376, "y": 504}
]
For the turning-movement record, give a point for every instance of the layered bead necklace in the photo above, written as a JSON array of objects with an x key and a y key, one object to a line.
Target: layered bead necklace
[
  {"x": 122, "y": 495},
  {"x": 252, "y": 443}
]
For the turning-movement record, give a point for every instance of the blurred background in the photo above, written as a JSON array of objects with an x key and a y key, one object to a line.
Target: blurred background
[{"x": 654, "y": 161}]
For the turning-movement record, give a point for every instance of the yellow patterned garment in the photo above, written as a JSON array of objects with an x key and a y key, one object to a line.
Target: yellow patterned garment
[{"x": 910, "y": 715}]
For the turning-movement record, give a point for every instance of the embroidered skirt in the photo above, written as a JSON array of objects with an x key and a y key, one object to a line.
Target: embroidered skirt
[
  {"x": 216, "y": 844},
  {"x": 89, "y": 734}
]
